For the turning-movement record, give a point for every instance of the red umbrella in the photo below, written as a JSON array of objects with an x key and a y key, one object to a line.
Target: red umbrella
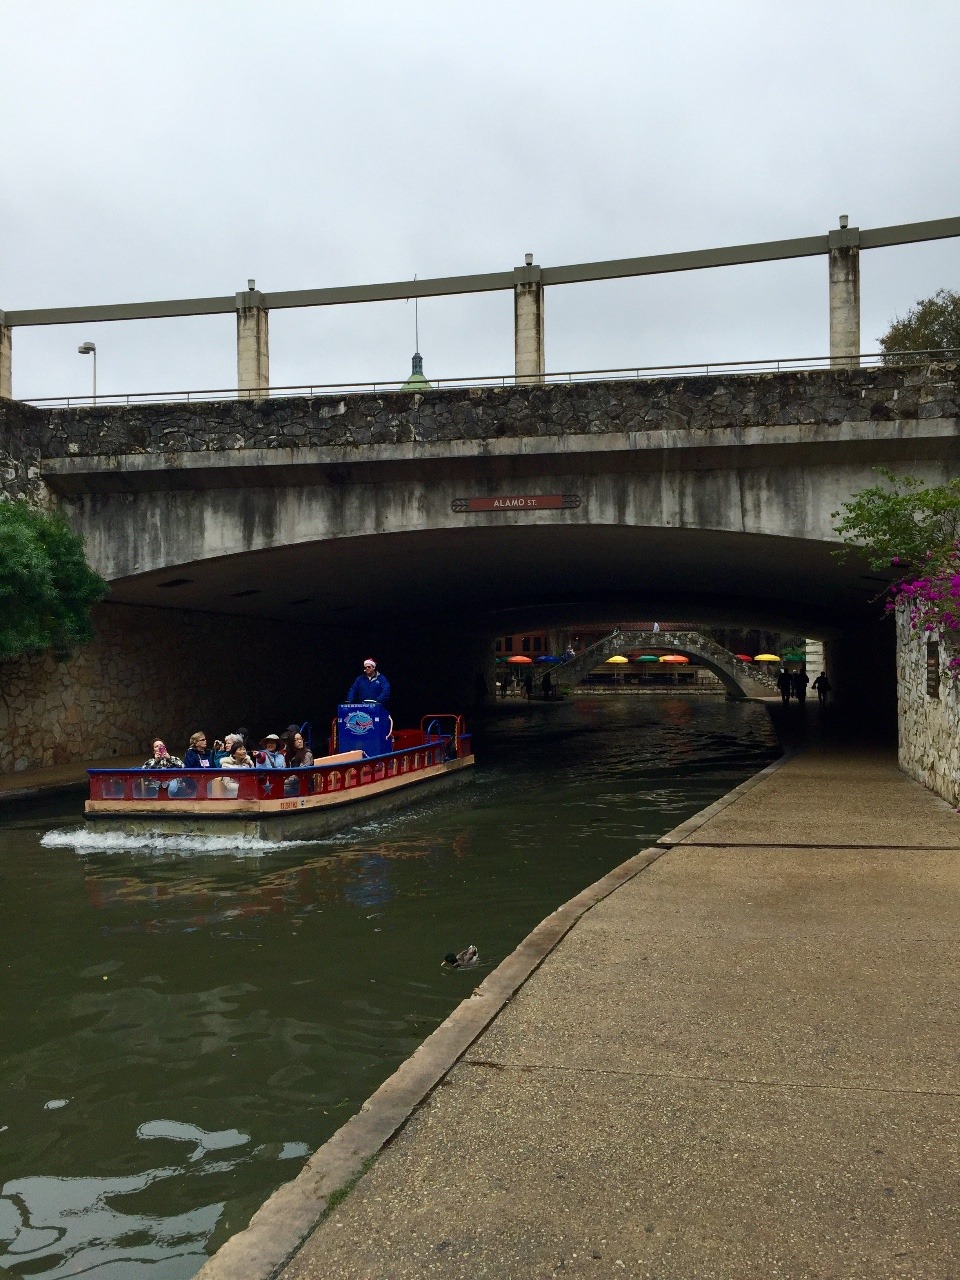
[
  {"x": 519, "y": 658},
  {"x": 744, "y": 657}
]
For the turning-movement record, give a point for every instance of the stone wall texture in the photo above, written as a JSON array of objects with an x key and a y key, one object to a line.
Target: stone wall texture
[
  {"x": 892, "y": 393},
  {"x": 929, "y": 728},
  {"x": 21, "y": 436},
  {"x": 149, "y": 671}
]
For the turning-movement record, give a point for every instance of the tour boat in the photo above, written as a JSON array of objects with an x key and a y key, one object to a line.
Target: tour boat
[{"x": 336, "y": 791}]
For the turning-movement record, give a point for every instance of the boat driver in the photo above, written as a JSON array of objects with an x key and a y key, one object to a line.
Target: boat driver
[{"x": 372, "y": 686}]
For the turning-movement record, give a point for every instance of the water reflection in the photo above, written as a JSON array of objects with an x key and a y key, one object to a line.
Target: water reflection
[{"x": 209, "y": 1014}]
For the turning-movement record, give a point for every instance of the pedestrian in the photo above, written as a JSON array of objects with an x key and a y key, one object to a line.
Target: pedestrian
[
  {"x": 372, "y": 686},
  {"x": 546, "y": 684},
  {"x": 798, "y": 685},
  {"x": 481, "y": 690},
  {"x": 528, "y": 686},
  {"x": 783, "y": 684},
  {"x": 822, "y": 686}
]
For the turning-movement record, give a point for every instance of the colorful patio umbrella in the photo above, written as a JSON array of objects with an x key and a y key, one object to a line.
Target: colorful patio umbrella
[
  {"x": 647, "y": 657},
  {"x": 744, "y": 657},
  {"x": 547, "y": 657},
  {"x": 674, "y": 657},
  {"x": 618, "y": 659},
  {"x": 519, "y": 658},
  {"x": 767, "y": 657}
]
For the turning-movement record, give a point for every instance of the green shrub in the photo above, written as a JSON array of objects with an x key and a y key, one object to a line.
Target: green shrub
[{"x": 46, "y": 586}]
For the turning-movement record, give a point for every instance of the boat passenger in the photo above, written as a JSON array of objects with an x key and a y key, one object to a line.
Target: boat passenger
[
  {"x": 199, "y": 755},
  {"x": 372, "y": 686},
  {"x": 161, "y": 758},
  {"x": 237, "y": 758},
  {"x": 270, "y": 755},
  {"x": 298, "y": 754},
  {"x": 227, "y": 746}
]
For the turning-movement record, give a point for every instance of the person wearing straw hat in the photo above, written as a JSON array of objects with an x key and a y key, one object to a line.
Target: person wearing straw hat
[{"x": 270, "y": 755}]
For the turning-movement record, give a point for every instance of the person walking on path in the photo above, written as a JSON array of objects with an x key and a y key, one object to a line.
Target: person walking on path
[
  {"x": 822, "y": 686},
  {"x": 371, "y": 686},
  {"x": 783, "y": 684},
  {"x": 528, "y": 686},
  {"x": 546, "y": 684},
  {"x": 798, "y": 685}
]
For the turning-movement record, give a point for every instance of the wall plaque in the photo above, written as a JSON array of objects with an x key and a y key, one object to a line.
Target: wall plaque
[
  {"x": 933, "y": 668},
  {"x": 520, "y": 502}
]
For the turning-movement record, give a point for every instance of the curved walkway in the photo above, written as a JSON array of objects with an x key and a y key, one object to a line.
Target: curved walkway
[{"x": 741, "y": 1062}]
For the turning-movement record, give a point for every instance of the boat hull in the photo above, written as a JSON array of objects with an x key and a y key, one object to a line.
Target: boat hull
[{"x": 295, "y": 818}]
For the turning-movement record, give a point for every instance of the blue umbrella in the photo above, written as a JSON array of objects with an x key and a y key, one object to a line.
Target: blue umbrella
[{"x": 546, "y": 657}]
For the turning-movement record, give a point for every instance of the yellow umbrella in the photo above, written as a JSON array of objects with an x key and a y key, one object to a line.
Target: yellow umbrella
[
  {"x": 618, "y": 658},
  {"x": 767, "y": 657}
]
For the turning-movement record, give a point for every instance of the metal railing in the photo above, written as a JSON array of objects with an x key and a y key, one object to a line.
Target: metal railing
[{"x": 628, "y": 373}]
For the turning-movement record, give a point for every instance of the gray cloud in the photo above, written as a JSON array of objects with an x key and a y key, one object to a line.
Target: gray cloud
[{"x": 175, "y": 150}]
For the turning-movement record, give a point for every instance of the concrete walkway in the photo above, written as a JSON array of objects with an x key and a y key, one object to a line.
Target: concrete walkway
[
  {"x": 58, "y": 777},
  {"x": 741, "y": 1063}
]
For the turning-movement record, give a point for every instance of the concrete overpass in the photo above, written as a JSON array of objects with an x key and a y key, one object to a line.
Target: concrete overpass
[{"x": 468, "y": 512}]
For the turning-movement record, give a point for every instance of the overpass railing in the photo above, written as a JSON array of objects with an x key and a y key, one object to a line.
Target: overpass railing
[{"x": 700, "y": 369}]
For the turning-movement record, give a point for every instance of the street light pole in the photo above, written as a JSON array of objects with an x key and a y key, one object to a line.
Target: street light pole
[{"x": 88, "y": 349}]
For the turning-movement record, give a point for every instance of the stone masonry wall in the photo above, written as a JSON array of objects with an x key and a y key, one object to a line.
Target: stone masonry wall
[
  {"x": 21, "y": 437},
  {"x": 149, "y": 671},
  {"x": 889, "y": 393},
  {"x": 929, "y": 728}
]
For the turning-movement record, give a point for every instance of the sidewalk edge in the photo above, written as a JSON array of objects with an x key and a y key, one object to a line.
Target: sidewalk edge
[{"x": 285, "y": 1220}]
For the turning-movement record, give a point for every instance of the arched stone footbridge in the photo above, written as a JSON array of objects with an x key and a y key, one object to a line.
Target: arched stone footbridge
[{"x": 738, "y": 678}]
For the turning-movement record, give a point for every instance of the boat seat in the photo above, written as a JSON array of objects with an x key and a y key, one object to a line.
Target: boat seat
[{"x": 342, "y": 757}]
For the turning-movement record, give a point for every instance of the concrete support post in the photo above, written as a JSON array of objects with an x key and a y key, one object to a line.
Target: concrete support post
[
  {"x": 253, "y": 344},
  {"x": 845, "y": 297},
  {"x": 6, "y": 360},
  {"x": 528, "y": 323}
]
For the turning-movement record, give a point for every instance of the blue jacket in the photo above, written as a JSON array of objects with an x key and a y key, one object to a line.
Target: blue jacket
[{"x": 364, "y": 689}]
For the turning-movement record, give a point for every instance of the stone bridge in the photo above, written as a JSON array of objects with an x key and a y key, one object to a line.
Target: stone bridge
[
  {"x": 470, "y": 512},
  {"x": 740, "y": 679}
]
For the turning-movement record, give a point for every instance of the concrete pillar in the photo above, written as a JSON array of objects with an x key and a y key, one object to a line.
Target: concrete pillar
[
  {"x": 253, "y": 343},
  {"x": 6, "y": 360},
  {"x": 845, "y": 297},
  {"x": 528, "y": 322}
]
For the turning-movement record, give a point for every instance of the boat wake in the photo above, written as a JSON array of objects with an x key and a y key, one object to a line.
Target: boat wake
[{"x": 84, "y": 841}]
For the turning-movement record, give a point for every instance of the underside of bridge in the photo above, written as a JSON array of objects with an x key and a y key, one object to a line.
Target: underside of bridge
[{"x": 430, "y": 602}]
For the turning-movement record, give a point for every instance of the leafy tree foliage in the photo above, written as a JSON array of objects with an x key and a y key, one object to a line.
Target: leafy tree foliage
[
  {"x": 904, "y": 522},
  {"x": 46, "y": 585},
  {"x": 932, "y": 325}
]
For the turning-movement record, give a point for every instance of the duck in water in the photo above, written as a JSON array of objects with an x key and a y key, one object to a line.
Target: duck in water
[{"x": 465, "y": 959}]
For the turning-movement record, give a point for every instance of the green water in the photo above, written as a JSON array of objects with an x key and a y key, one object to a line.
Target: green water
[{"x": 181, "y": 1026}]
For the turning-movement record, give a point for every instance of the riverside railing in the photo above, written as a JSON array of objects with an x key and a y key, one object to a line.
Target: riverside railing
[{"x": 627, "y": 373}]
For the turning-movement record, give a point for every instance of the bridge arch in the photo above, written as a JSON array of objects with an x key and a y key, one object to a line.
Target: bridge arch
[{"x": 736, "y": 676}]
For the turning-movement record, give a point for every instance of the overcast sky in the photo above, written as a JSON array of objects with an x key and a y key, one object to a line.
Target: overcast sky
[{"x": 170, "y": 150}]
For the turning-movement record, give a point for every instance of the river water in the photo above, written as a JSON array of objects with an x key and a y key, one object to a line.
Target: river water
[{"x": 183, "y": 1024}]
